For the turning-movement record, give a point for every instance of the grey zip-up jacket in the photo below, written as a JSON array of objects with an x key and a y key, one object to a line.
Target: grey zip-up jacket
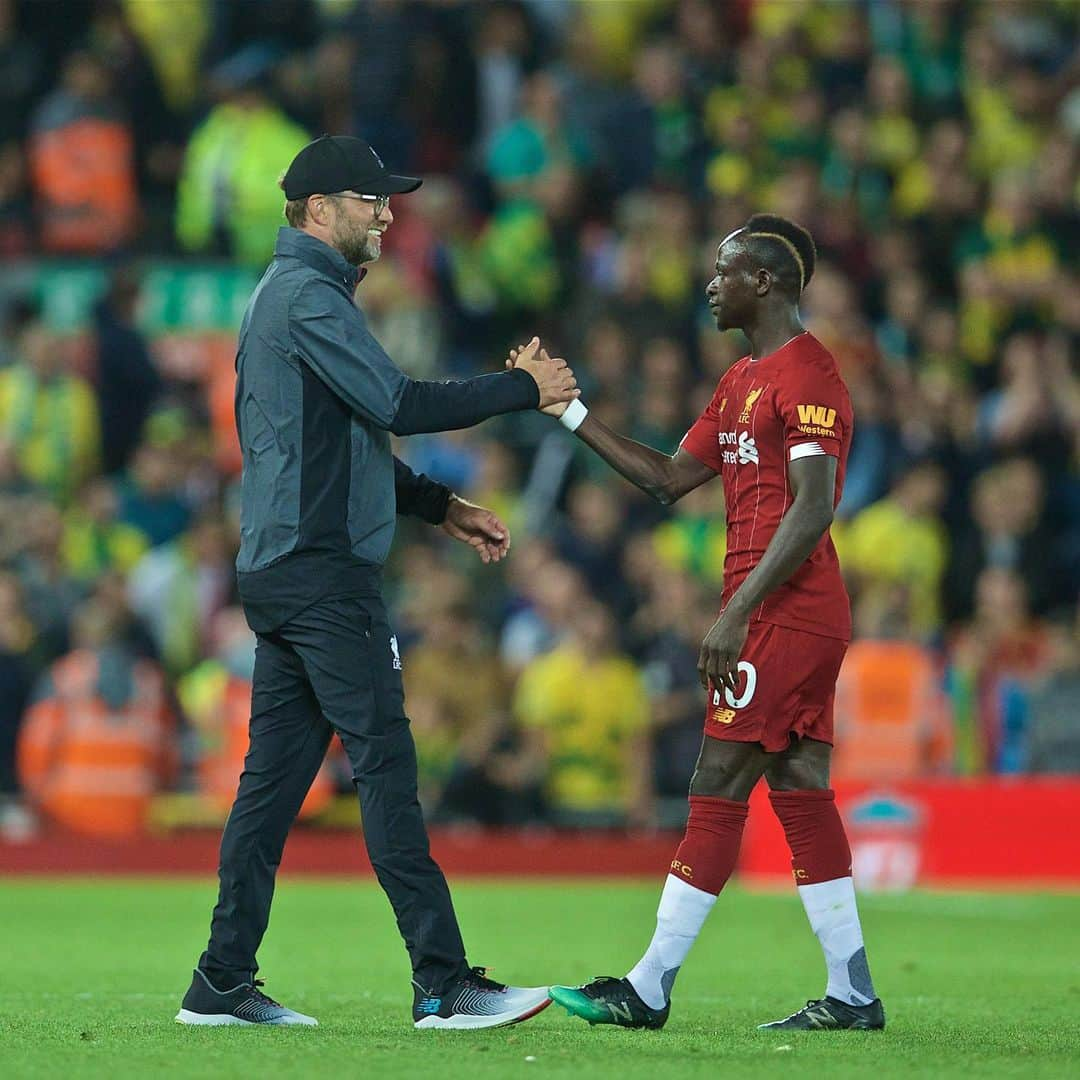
[{"x": 316, "y": 401}]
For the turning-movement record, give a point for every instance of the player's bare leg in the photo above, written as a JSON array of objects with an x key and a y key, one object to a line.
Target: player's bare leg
[
  {"x": 798, "y": 779},
  {"x": 725, "y": 775}
]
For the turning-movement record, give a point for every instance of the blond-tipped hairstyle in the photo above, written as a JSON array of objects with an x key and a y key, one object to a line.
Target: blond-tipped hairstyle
[{"x": 785, "y": 248}]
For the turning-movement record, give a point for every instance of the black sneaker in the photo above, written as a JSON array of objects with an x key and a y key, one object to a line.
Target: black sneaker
[
  {"x": 830, "y": 1014},
  {"x": 607, "y": 1000},
  {"x": 475, "y": 1001},
  {"x": 205, "y": 1005}
]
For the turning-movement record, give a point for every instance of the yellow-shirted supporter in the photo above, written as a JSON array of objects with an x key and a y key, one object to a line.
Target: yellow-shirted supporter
[
  {"x": 694, "y": 539},
  {"x": 49, "y": 415},
  {"x": 586, "y": 715},
  {"x": 95, "y": 542},
  {"x": 900, "y": 541}
]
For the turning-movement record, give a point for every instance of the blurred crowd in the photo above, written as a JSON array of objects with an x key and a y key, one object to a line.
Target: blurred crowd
[{"x": 581, "y": 161}]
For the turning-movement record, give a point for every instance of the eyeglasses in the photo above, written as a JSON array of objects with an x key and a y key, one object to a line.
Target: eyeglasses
[{"x": 381, "y": 202}]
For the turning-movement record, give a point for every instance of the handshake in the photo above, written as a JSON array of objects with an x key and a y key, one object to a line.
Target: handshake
[{"x": 553, "y": 377}]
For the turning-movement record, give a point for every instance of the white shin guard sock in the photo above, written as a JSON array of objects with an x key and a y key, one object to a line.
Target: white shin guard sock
[
  {"x": 679, "y": 919},
  {"x": 834, "y": 918}
]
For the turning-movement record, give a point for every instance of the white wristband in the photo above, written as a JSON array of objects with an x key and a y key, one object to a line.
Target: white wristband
[{"x": 573, "y": 415}]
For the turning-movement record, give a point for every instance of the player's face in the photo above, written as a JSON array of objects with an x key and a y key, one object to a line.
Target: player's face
[{"x": 730, "y": 293}]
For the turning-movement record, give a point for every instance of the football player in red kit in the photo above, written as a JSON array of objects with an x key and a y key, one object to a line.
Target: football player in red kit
[{"x": 777, "y": 431}]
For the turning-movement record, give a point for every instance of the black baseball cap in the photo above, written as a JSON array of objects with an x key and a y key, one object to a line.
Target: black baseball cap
[{"x": 342, "y": 163}]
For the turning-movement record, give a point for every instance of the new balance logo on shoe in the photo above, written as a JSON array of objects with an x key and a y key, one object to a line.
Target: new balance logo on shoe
[
  {"x": 607, "y": 1000},
  {"x": 475, "y": 1001},
  {"x": 819, "y": 1018}
]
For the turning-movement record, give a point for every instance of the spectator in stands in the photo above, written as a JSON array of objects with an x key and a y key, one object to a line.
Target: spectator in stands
[
  {"x": 178, "y": 588},
  {"x": 694, "y": 539},
  {"x": 671, "y": 135},
  {"x": 1036, "y": 410},
  {"x": 16, "y": 217},
  {"x": 470, "y": 763},
  {"x": 533, "y": 163},
  {"x": 673, "y": 622},
  {"x": 49, "y": 591},
  {"x": 82, "y": 163},
  {"x": 22, "y": 75},
  {"x": 893, "y": 135},
  {"x": 174, "y": 36},
  {"x": 127, "y": 381},
  {"x": 98, "y": 741},
  {"x": 95, "y": 542},
  {"x": 662, "y": 410},
  {"x": 586, "y": 720},
  {"x": 48, "y": 413},
  {"x": 151, "y": 498},
  {"x": 544, "y": 606},
  {"x": 900, "y": 541},
  {"x": 227, "y": 198},
  {"x": 892, "y": 718},
  {"x": 591, "y": 538},
  {"x": 498, "y": 485},
  {"x": 1052, "y": 745},
  {"x": 1006, "y": 531},
  {"x": 850, "y": 174},
  {"x": 995, "y": 661},
  {"x": 17, "y": 671},
  {"x": 501, "y": 54},
  {"x": 156, "y": 129}
]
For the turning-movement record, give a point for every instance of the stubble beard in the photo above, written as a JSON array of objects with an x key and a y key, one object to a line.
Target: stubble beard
[{"x": 356, "y": 245}]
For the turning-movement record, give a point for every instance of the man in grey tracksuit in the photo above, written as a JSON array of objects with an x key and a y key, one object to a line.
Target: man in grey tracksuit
[{"x": 316, "y": 401}]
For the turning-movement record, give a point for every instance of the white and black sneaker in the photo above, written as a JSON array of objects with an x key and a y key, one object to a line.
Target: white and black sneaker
[
  {"x": 475, "y": 1001},
  {"x": 245, "y": 1004}
]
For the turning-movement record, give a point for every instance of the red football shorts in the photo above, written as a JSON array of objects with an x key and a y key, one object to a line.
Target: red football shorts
[{"x": 787, "y": 682}]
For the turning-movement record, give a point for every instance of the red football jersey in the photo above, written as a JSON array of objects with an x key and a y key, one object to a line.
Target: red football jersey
[{"x": 765, "y": 413}]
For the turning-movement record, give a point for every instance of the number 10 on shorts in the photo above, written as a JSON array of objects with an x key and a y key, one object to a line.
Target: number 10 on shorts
[{"x": 744, "y": 668}]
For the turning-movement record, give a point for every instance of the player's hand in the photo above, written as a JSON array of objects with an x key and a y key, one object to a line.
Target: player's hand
[
  {"x": 718, "y": 661},
  {"x": 556, "y": 381},
  {"x": 477, "y": 527}
]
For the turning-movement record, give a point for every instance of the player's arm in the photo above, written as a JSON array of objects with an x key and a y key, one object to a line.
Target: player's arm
[
  {"x": 664, "y": 477},
  {"x": 813, "y": 486},
  {"x": 667, "y": 478}
]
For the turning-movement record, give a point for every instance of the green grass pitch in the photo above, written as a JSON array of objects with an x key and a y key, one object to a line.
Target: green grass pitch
[{"x": 91, "y": 974}]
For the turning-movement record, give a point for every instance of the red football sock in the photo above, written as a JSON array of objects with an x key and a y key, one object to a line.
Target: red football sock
[
  {"x": 710, "y": 847},
  {"x": 815, "y": 834}
]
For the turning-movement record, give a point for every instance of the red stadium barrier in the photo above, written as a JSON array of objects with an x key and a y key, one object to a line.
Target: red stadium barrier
[
  {"x": 1014, "y": 833},
  {"x": 946, "y": 832}
]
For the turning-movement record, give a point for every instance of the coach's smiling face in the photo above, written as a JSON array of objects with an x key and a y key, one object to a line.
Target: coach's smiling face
[{"x": 732, "y": 292}]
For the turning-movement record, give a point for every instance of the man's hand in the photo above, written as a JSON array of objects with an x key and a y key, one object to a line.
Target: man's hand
[
  {"x": 477, "y": 527},
  {"x": 718, "y": 661},
  {"x": 556, "y": 381}
]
